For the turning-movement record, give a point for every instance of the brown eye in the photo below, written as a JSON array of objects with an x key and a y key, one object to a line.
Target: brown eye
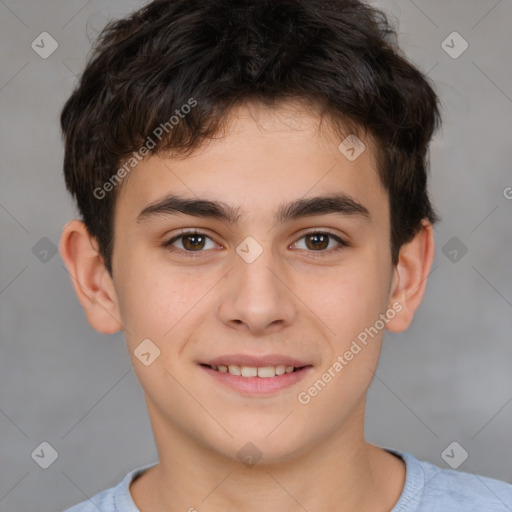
[
  {"x": 193, "y": 242},
  {"x": 317, "y": 240}
]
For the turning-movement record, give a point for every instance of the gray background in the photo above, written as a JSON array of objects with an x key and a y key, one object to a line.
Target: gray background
[{"x": 448, "y": 378}]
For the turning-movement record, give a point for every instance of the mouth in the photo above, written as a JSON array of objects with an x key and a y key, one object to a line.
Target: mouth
[
  {"x": 263, "y": 372},
  {"x": 256, "y": 381}
]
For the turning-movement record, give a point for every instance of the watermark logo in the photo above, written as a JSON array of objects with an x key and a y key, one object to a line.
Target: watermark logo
[
  {"x": 44, "y": 455},
  {"x": 351, "y": 147},
  {"x": 44, "y": 250},
  {"x": 454, "y": 455},
  {"x": 454, "y": 249},
  {"x": 249, "y": 249},
  {"x": 146, "y": 352},
  {"x": 249, "y": 454},
  {"x": 44, "y": 45},
  {"x": 454, "y": 45}
]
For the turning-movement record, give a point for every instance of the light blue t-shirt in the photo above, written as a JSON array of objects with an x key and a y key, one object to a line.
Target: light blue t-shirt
[{"x": 427, "y": 488}]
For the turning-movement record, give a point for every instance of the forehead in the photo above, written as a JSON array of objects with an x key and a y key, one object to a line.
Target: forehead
[{"x": 264, "y": 158}]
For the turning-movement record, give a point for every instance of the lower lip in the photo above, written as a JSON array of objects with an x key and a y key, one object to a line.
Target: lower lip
[{"x": 258, "y": 385}]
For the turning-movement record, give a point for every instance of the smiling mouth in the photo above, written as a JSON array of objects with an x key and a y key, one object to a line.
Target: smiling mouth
[{"x": 251, "y": 371}]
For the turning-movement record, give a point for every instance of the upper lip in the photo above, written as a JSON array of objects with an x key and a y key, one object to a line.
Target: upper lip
[{"x": 256, "y": 361}]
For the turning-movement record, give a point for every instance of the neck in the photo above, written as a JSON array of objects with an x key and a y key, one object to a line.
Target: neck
[{"x": 339, "y": 472}]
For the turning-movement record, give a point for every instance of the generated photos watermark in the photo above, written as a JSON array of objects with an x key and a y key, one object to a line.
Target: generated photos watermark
[
  {"x": 304, "y": 397},
  {"x": 145, "y": 149}
]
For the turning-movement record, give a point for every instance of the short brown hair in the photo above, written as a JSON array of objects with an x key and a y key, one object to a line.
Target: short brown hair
[{"x": 341, "y": 54}]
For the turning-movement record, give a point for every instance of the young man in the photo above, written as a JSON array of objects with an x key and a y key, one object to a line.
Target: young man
[{"x": 251, "y": 178}]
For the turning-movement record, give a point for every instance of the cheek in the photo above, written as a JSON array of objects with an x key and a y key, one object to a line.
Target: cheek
[
  {"x": 146, "y": 300},
  {"x": 161, "y": 303},
  {"x": 349, "y": 299}
]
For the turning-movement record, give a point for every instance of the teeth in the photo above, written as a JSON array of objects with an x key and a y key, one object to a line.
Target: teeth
[
  {"x": 247, "y": 371},
  {"x": 251, "y": 371},
  {"x": 280, "y": 370},
  {"x": 266, "y": 371},
  {"x": 234, "y": 369}
]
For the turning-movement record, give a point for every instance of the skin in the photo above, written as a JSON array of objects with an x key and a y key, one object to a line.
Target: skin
[{"x": 314, "y": 456}]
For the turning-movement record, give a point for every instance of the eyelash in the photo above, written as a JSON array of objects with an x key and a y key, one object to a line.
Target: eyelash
[{"x": 194, "y": 254}]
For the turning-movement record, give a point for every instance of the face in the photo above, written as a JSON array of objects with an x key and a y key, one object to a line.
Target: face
[{"x": 292, "y": 284}]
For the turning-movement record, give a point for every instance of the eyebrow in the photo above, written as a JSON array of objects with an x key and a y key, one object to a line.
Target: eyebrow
[{"x": 339, "y": 203}]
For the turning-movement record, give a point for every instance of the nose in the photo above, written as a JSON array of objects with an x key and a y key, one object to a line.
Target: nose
[{"x": 258, "y": 296}]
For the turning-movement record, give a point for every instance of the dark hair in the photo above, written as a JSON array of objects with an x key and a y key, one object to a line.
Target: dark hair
[{"x": 339, "y": 54}]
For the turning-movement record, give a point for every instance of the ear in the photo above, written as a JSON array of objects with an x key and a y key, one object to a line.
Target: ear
[
  {"x": 410, "y": 277},
  {"x": 92, "y": 282}
]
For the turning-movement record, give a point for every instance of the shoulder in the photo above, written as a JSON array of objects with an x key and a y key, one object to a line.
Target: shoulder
[
  {"x": 103, "y": 501},
  {"x": 429, "y": 487},
  {"x": 114, "y": 499}
]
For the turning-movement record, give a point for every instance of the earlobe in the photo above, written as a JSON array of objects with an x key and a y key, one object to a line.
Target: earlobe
[
  {"x": 90, "y": 278},
  {"x": 410, "y": 277}
]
